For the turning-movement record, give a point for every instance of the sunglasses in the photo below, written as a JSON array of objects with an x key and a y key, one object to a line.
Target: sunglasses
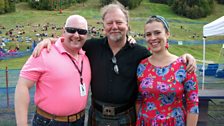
[
  {"x": 114, "y": 61},
  {"x": 74, "y": 30}
]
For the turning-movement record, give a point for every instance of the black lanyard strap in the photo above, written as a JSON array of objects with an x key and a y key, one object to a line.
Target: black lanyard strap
[{"x": 79, "y": 70}]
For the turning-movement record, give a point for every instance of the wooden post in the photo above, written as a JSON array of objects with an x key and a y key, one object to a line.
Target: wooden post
[
  {"x": 7, "y": 84},
  {"x": 203, "y": 114}
]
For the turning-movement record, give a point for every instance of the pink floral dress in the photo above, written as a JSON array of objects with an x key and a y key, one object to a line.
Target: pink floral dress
[{"x": 166, "y": 94}]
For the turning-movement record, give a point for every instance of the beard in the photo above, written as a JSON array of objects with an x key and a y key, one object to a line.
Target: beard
[{"x": 115, "y": 38}]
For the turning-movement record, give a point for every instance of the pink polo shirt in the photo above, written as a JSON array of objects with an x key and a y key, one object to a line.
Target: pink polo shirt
[{"x": 58, "y": 81}]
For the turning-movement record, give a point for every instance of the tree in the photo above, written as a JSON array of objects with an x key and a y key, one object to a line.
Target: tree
[
  {"x": 192, "y": 8},
  {"x": 220, "y": 1},
  {"x": 2, "y": 6},
  {"x": 159, "y": 1},
  {"x": 81, "y": 1},
  {"x": 7, "y": 6},
  {"x": 168, "y": 2},
  {"x": 105, "y": 2},
  {"x": 126, "y": 3},
  {"x": 52, "y": 4},
  {"x": 21, "y": 1},
  {"x": 12, "y": 6},
  {"x": 134, "y": 3}
]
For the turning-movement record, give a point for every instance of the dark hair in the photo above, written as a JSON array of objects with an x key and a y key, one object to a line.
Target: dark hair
[{"x": 159, "y": 19}]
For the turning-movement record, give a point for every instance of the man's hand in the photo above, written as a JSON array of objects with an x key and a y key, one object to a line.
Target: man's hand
[
  {"x": 191, "y": 62},
  {"x": 46, "y": 43}
]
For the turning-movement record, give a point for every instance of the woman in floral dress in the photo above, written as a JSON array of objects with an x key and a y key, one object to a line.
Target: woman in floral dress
[{"x": 168, "y": 95}]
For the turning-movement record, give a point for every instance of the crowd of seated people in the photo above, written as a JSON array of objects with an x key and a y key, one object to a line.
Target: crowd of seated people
[{"x": 31, "y": 34}]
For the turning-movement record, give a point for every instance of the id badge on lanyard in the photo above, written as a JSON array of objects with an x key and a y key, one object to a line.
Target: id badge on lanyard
[{"x": 82, "y": 89}]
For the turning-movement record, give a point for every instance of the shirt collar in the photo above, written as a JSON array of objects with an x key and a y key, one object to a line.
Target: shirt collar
[{"x": 60, "y": 48}]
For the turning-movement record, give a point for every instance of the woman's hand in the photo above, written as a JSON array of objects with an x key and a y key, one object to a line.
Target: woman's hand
[
  {"x": 131, "y": 39},
  {"x": 191, "y": 62}
]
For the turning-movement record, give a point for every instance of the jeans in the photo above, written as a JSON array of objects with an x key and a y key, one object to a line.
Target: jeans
[{"x": 39, "y": 120}]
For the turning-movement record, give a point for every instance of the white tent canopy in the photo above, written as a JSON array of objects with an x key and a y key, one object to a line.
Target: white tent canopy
[{"x": 214, "y": 28}]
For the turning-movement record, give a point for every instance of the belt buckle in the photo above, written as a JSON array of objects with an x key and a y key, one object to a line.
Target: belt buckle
[{"x": 108, "y": 110}]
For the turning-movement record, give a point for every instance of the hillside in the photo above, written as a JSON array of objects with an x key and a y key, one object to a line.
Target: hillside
[{"x": 181, "y": 27}]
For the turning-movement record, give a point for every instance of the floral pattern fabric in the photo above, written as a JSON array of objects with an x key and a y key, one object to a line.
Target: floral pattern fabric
[{"x": 166, "y": 94}]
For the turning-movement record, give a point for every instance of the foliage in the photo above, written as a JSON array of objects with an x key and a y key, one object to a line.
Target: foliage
[
  {"x": 7, "y": 6},
  {"x": 52, "y": 4},
  {"x": 169, "y": 2},
  {"x": 131, "y": 4},
  {"x": 189, "y": 8},
  {"x": 134, "y": 3},
  {"x": 12, "y": 7},
  {"x": 193, "y": 8},
  {"x": 21, "y": 1},
  {"x": 220, "y": 1},
  {"x": 105, "y": 2},
  {"x": 2, "y": 6},
  {"x": 159, "y": 1},
  {"x": 42, "y": 4},
  {"x": 81, "y": 1}
]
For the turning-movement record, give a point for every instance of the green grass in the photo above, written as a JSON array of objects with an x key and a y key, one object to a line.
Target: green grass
[
  {"x": 25, "y": 15},
  {"x": 15, "y": 63},
  {"x": 7, "y": 123}
]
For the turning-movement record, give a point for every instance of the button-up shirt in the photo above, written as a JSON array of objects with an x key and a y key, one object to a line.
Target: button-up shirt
[{"x": 106, "y": 85}]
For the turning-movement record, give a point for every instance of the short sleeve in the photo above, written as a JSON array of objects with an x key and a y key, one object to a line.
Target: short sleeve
[{"x": 33, "y": 68}]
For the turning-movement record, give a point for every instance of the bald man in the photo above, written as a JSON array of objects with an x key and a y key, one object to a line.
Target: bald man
[{"x": 61, "y": 77}]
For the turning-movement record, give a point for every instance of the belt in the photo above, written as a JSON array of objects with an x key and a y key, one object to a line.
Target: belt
[
  {"x": 110, "y": 110},
  {"x": 70, "y": 118}
]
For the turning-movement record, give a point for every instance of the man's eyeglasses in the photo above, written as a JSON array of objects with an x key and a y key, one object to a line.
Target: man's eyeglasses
[
  {"x": 114, "y": 61},
  {"x": 74, "y": 30}
]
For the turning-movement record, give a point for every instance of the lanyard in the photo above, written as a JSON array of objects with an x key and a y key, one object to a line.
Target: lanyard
[{"x": 80, "y": 71}]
